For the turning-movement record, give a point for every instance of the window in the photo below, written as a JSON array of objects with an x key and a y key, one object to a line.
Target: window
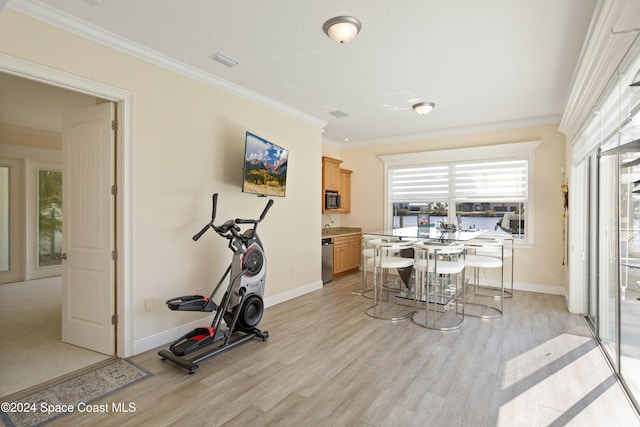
[
  {"x": 49, "y": 218},
  {"x": 487, "y": 188}
]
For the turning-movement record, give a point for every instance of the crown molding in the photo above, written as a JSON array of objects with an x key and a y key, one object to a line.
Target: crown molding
[
  {"x": 89, "y": 31},
  {"x": 466, "y": 130},
  {"x": 602, "y": 53}
]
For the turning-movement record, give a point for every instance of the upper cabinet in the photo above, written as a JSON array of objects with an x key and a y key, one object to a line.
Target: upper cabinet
[
  {"x": 330, "y": 174},
  {"x": 345, "y": 190},
  {"x": 336, "y": 180}
]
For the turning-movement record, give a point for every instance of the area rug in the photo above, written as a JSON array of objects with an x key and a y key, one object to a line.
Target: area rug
[{"x": 75, "y": 394}]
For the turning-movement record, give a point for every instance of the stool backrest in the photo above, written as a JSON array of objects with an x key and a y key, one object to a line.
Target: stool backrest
[
  {"x": 385, "y": 249},
  {"x": 439, "y": 249}
]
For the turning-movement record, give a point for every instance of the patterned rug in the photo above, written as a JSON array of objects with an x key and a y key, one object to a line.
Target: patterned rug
[{"x": 71, "y": 395}]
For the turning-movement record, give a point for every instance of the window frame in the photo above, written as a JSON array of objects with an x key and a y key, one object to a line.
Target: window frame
[{"x": 459, "y": 155}]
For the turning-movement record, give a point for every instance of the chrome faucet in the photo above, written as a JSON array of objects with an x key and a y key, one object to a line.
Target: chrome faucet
[
  {"x": 324, "y": 231},
  {"x": 327, "y": 225}
]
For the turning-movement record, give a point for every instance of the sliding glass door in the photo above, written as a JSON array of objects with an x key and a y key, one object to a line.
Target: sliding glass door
[
  {"x": 629, "y": 281},
  {"x": 592, "y": 244},
  {"x": 618, "y": 314},
  {"x": 608, "y": 255}
]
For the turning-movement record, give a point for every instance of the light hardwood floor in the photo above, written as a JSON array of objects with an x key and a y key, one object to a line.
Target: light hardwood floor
[{"x": 327, "y": 363}]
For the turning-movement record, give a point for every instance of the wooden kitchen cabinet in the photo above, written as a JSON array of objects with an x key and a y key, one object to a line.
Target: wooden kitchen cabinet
[
  {"x": 340, "y": 251},
  {"x": 347, "y": 252},
  {"x": 330, "y": 174},
  {"x": 345, "y": 191},
  {"x": 336, "y": 180}
]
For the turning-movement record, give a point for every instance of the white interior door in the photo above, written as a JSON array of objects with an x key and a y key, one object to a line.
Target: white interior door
[{"x": 88, "y": 290}]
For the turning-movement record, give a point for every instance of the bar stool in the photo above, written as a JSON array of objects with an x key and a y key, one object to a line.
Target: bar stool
[
  {"x": 504, "y": 253},
  {"x": 476, "y": 262},
  {"x": 386, "y": 256},
  {"x": 439, "y": 295},
  {"x": 368, "y": 248}
]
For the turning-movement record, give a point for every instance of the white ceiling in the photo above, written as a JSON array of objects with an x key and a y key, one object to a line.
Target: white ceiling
[{"x": 487, "y": 64}]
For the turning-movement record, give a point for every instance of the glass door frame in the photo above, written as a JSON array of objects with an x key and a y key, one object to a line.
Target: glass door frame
[{"x": 610, "y": 343}]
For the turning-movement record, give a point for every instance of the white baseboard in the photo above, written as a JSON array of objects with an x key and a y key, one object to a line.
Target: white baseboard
[
  {"x": 531, "y": 287},
  {"x": 293, "y": 293},
  {"x": 541, "y": 289},
  {"x": 163, "y": 338}
]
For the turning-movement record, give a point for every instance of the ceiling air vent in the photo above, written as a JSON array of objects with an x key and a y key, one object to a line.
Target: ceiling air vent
[
  {"x": 339, "y": 114},
  {"x": 224, "y": 60}
]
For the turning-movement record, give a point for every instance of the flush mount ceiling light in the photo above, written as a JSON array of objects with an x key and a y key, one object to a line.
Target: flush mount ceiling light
[
  {"x": 424, "y": 107},
  {"x": 342, "y": 29}
]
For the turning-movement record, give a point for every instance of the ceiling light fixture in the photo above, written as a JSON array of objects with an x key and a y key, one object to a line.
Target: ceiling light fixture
[
  {"x": 424, "y": 108},
  {"x": 342, "y": 29}
]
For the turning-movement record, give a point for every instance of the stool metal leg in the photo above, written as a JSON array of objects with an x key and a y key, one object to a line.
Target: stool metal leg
[
  {"x": 377, "y": 310},
  {"x": 498, "y": 311}
]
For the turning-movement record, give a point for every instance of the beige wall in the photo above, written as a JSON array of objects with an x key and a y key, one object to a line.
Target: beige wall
[
  {"x": 538, "y": 267},
  {"x": 188, "y": 142}
]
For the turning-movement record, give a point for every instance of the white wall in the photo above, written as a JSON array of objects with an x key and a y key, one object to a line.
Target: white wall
[{"x": 187, "y": 142}]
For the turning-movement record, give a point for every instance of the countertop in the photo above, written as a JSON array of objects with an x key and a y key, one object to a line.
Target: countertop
[{"x": 340, "y": 231}]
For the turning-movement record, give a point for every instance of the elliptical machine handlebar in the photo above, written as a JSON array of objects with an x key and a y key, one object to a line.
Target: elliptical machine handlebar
[
  {"x": 262, "y": 215},
  {"x": 230, "y": 225},
  {"x": 213, "y": 218}
]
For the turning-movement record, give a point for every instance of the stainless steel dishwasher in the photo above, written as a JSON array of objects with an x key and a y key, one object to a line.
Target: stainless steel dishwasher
[{"x": 327, "y": 260}]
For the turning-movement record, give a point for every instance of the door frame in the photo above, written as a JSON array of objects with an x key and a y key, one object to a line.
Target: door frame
[{"x": 123, "y": 214}]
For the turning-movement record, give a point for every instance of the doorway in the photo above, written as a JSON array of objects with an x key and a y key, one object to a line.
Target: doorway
[{"x": 28, "y": 284}]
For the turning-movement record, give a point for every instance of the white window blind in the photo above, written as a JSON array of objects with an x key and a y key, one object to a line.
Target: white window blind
[
  {"x": 494, "y": 180},
  {"x": 419, "y": 183},
  {"x": 483, "y": 180}
]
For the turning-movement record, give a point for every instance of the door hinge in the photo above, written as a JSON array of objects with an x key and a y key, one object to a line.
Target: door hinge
[
  {"x": 114, "y": 319},
  {"x": 114, "y": 125},
  {"x": 114, "y": 255},
  {"x": 114, "y": 190}
]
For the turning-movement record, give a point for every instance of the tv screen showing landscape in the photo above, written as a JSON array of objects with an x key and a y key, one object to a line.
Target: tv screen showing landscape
[{"x": 265, "y": 167}]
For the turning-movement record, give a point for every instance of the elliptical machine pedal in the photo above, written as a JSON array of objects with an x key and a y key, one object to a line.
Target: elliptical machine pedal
[{"x": 241, "y": 306}]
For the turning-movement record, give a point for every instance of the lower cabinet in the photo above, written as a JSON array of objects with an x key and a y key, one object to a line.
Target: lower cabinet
[{"x": 347, "y": 252}]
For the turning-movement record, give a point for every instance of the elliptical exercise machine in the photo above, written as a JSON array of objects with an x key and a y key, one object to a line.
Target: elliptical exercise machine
[{"x": 241, "y": 306}]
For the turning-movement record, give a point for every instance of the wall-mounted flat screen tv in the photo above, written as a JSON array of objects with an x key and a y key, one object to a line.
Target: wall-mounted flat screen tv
[{"x": 265, "y": 167}]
